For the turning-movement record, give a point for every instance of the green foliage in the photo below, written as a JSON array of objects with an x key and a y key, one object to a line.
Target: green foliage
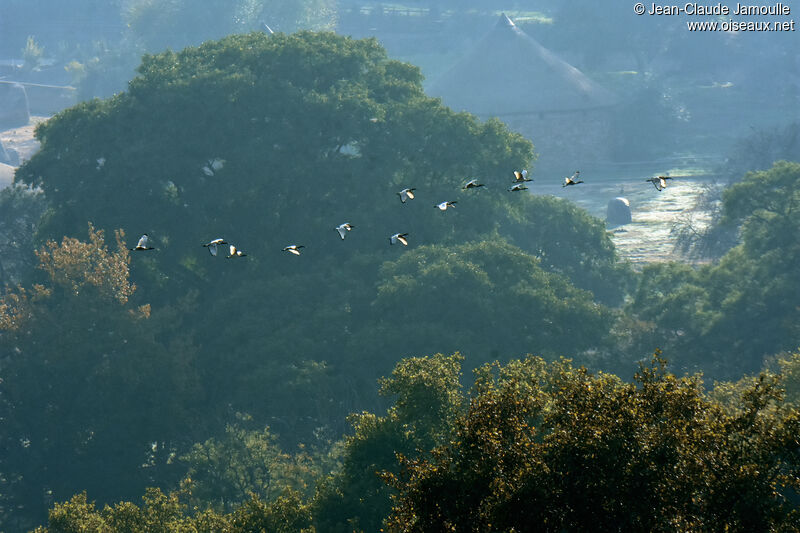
[
  {"x": 164, "y": 513},
  {"x": 756, "y": 194},
  {"x": 75, "y": 516},
  {"x": 32, "y": 54},
  {"x": 789, "y": 366},
  {"x": 483, "y": 298},
  {"x": 734, "y": 314},
  {"x": 572, "y": 243},
  {"x": 20, "y": 210},
  {"x": 314, "y": 129},
  {"x": 102, "y": 70},
  {"x": 286, "y": 514},
  {"x": 225, "y": 472},
  {"x": 590, "y": 453},
  {"x": 159, "y": 513},
  {"x": 538, "y": 444},
  {"x": 427, "y": 391},
  {"x": 755, "y": 189},
  {"x": 90, "y": 399},
  {"x": 428, "y": 399},
  {"x": 284, "y": 107},
  {"x": 786, "y": 367},
  {"x": 774, "y": 192}
]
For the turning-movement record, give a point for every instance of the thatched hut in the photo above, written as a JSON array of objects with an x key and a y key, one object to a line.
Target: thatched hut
[{"x": 509, "y": 75}]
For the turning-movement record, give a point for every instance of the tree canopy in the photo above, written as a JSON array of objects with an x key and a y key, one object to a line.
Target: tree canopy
[
  {"x": 268, "y": 140},
  {"x": 532, "y": 445},
  {"x": 89, "y": 393},
  {"x": 557, "y": 448},
  {"x": 225, "y": 385}
]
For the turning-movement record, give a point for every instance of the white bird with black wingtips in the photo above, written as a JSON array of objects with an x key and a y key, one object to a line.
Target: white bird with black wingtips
[
  {"x": 444, "y": 205},
  {"x": 521, "y": 176},
  {"x": 518, "y": 187},
  {"x": 659, "y": 182},
  {"x": 406, "y": 194},
  {"x": 344, "y": 228},
  {"x": 212, "y": 246},
  {"x": 294, "y": 249},
  {"x": 573, "y": 180},
  {"x": 402, "y": 238},
  {"x": 142, "y": 244},
  {"x": 472, "y": 184}
]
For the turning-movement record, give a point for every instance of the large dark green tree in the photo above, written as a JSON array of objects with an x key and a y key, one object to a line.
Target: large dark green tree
[
  {"x": 313, "y": 128},
  {"x": 555, "y": 448},
  {"x": 500, "y": 296},
  {"x": 268, "y": 140},
  {"x": 91, "y": 398},
  {"x": 20, "y": 210},
  {"x": 308, "y": 131},
  {"x": 427, "y": 402},
  {"x": 536, "y": 446}
]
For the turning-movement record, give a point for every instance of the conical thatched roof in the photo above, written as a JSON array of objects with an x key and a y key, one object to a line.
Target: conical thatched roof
[{"x": 509, "y": 72}]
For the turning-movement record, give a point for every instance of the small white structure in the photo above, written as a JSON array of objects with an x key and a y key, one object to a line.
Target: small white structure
[{"x": 618, "y": 211}]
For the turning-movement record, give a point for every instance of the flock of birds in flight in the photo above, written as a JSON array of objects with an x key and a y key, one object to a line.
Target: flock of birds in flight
[{"x": 520, "y": 179}]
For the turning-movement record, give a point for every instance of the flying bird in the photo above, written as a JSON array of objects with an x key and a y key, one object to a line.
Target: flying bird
[
  {"x": 659, "y": 182},
  {"x": 573, "y": 180},
  {"x": 294, "y": 249},
  {"x": 399, "y": 237},
  {"x": 212, "y": 246},
  {"x": 518, "y": 187},
  {"x": 212, "y": 165},
  {"x": 471, "y": 184},
  {"x": 444, "y": 205},
  {"x": 234, "y": 252},
  {"x": 344, "y": 228},
  {"x": 406, "y": 194},
  {"x": 142, "y": 244},
  {"x": 521, "y": 177}
]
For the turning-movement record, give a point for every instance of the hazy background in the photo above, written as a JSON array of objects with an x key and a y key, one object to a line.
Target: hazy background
[
  {"x": 240, "y": 375},
  {"x": 681, "y": 92}
]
